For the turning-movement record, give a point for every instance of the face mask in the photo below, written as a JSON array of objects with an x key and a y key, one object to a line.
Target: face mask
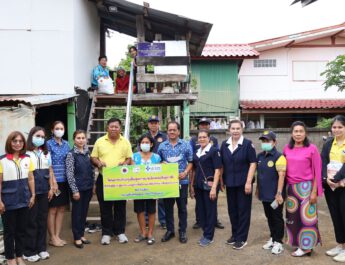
[
  {"x": 59, "y": 133},
  {"x": 37, "y": 141},
  {"x": 266, "y": 147},
  {"x": 145, "y": 147}
]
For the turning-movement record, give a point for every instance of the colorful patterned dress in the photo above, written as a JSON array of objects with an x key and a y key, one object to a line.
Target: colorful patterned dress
[{"x": 303, "y": 166}]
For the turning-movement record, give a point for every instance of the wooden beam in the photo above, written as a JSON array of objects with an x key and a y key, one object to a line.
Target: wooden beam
[
  {"x": 141, "y": 38},
  {"x": 102, "y": 48},
  {"x": 338, "y": 33},
  {"x": 152, "y": 78},
  {"x": 170, "y": 60}
]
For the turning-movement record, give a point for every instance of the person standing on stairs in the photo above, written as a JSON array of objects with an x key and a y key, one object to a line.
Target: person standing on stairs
[{"x": 111, "y": 150}]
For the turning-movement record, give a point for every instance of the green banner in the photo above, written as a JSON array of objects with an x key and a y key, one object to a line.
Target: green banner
[{"x": 141, "y": 182}]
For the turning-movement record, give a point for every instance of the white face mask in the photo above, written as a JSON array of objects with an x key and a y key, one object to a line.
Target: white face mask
[
  {"x": 59, "y": 133},
  {"x": 145, "y": 147}
]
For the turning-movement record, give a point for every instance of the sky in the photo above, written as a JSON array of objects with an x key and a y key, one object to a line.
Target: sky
[{"x": 241, "y": 21}]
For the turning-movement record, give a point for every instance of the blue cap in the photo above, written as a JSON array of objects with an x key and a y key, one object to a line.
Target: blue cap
[
  {"x": 269, "y": 135},
  {"x": 153, "y": 118},
  {"x": 204, "y": 120}
]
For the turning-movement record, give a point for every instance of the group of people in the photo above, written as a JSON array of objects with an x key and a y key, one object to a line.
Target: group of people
[
  {"x": 39, "y": 177},
  {"x": 122, "y": 78}
]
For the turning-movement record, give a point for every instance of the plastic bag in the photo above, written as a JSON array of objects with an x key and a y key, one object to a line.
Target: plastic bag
[{"x": 105, "y": 86}]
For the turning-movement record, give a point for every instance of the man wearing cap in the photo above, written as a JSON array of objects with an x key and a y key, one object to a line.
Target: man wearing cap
[
  {"x": 270, "y": 175},
  {"x": 158, "y": 137},
  {"x": 122, "y": 81},
  {"x": 204, "y": 124}
]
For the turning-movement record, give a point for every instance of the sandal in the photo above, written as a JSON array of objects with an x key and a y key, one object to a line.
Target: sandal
[
  {"x": 140, "y": 238},
  {"x": 54, "y": 244},
  {"x": 300, "y": 253},
  {"x": 151, "y": 240}
]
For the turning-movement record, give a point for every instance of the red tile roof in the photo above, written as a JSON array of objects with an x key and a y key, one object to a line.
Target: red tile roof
[
  {"x": 293, "y": 104},
  {"x": 229, "y": 51}
]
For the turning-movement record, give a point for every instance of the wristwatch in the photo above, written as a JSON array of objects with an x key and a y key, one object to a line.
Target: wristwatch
[{"x": 279, "y": 192}]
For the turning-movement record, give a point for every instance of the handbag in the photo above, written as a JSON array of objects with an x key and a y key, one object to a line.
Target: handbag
[{"x": 206, "y": 184}]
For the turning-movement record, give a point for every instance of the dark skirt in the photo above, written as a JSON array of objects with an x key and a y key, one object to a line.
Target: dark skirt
[
  {"x": 301, "y": 217},
  {"x": 63, "y": 198}
]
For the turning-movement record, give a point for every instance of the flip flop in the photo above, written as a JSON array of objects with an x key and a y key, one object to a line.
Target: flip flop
[
  {"x": 140, "y": 238},
  {"x": 151, "y": 240},
  {"x": 51, "y": 243}
]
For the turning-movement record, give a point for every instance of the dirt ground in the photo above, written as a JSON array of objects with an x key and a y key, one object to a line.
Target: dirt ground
[{"x": 173, "y": 252}]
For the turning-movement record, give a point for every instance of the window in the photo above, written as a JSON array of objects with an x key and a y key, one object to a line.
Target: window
[
  {"x": 265, "y": 63},
  {"x": 308, "y": 70}
]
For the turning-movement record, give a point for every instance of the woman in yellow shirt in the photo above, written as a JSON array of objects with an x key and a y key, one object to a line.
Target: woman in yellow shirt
[{"x": 333, "y": 174}]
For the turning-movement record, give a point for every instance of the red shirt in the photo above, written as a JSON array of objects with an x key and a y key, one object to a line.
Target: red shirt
[{"x": 122, "y": 84}]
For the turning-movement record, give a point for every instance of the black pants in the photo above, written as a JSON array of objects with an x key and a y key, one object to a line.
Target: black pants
[
  {"x": 336, "y": 205},
  {"x": 207, "y": 212},
  {"x": 182, "y": 210},
  {"x": 197, "y": 217},
  {"x": 275, "y": 221},
  {"x": 239, "y": 209},
  {"x": 36, "y": 231},
  {"x": 79, "y": 213},
  {"x": 14, "y": 231},
  {"x": 113, "y": 213}
]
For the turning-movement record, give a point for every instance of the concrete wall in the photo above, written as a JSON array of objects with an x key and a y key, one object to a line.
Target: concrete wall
[
  {"x": 280, "y": 82},
  {"x": 283, "y": 136},
  {"x": 47, "y": 46},
  {"x": 86, "y": 42}
]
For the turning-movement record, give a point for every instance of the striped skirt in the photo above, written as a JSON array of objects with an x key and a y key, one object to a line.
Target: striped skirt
[{"x": 301, "y": 217}]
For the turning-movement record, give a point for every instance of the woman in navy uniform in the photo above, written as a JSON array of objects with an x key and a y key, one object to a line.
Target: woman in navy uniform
[
  {"x": 45, "y": 185},
  {"x": 80, "y": 176},
  {"x": 207, "y": 166},
  {"x": 17, "y": 187},
  {"x": 271, "y": 174},
  {"x": 239, "y": 164}
]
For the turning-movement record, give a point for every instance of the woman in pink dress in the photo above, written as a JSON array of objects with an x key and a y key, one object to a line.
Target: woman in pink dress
[{"x": 304, "y": 185}]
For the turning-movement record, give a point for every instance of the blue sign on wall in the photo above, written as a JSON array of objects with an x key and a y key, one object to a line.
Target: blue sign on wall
[{"x": 146, "y": 49}]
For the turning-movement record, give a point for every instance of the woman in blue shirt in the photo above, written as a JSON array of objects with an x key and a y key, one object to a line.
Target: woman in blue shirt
[
  {"x": 145, "y": 157},
  {"x": 80, "y": 177},
  {"x": 58, "y": 149},
  {"x": 207, "y": 165},
  {"x": 239, "y": 164}
]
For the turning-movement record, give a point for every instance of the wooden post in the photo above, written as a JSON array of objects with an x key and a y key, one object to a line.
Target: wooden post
[
  {"x": 141, "y": 38},
  {"x": 102, "y": 39},
  {"x": 186, "y": 119}
]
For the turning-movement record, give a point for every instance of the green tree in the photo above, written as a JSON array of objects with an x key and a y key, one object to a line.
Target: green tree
[
  {"x": 335, "y": 73},
  {"x": 324, "y": 123}
]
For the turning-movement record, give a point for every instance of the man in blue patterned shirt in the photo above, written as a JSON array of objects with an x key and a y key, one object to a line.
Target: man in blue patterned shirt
[{"x": 176, "y": 150}]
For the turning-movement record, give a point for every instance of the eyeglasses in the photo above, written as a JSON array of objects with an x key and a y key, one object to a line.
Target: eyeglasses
[{"x": 17, "y": 141}]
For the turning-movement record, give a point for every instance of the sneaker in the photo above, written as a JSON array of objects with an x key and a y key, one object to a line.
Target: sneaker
[
  {"x": 33, "y": 258},
  {"x": 163, "y": 226},
  {"x": 268, "y": 245},
  {"x": 277, "y": 248},
  {"x": 340, "y": 257},
  {"x": 86, "y": 229},
  {"x": 231, "y": 241},
  {"x": 44, "y": 255},
  {"x": 91, "y": 228},
  {"x": 334, "y": 251},
  {"x": 239, "y": 245},
  {"x": 105, "y": 240},
  {"x": 122, "y": 238},
  {"x": 201, "y": 238},
  {"x": 205, "y": 242}
]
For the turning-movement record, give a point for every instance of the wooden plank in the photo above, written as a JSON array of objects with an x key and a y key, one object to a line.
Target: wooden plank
[
  {"x": 152, "y": 78},
  {"x": 141, "y": 38},
  {"x": 169, "y": 60}
]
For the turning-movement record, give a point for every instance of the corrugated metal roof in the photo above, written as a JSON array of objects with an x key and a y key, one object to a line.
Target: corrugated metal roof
[
  {"x": 293, "y": 104},
  {"x": 229, "y": 50},
  {"x": 35, "y": 100},
  {"x": 120, "y": 15}
]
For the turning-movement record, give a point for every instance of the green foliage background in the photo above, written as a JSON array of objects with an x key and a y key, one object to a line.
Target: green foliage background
[
  {"x": 335, "y": 73},
  {"x": 324, "y": 123}
]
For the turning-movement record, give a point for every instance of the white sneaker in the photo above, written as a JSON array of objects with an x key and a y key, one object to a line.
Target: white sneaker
[
  {"x": 277, "y": 248},
  {"x": 32, "y": 258},
  {"x": 44, "y": 255},
  {"x": 105, "y": 240},
  {"x": 334, "y": 251},
  {"x": 268, "y": 245},
  {"x": 122, "y": 238},
  {"x": 340, "y": 257}
]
